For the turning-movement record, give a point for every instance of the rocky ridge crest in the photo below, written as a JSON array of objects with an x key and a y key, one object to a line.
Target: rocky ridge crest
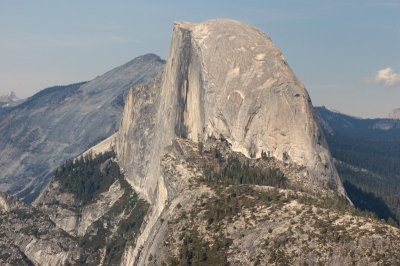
[
  {"x": 61, "y": 122},
  {"x": 223, "y": 77}
]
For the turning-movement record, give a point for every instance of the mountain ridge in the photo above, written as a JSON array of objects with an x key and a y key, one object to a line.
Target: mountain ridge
[
  {"x": 219, "y": 160},
  {"x": 223, "y": 79},
  {"x": 367, "y": 156},
  {"x": 61, "y": 122},
  {"x": 238, "y": 223},
  {"x": 9, "y": 99},
  {"x": 214, "y": 83}
]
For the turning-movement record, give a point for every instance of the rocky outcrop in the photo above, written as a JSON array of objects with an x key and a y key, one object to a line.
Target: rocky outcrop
[
  {"x": 226, "y": 101},
  {"x": 223, "y": 77},
  {"x": 28, "y": 237},
  {"x": 68, "y": 214},
  {"x": 86, "y": 215},
  {"x": 8, "y": 202},
  {"x": 216, "y": 224},
  {"x": 202, "y": 221},
  {"x": 61, "y": 122}
]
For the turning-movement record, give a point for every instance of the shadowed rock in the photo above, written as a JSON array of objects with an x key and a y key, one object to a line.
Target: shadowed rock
[{"x": 61, "y": 122}]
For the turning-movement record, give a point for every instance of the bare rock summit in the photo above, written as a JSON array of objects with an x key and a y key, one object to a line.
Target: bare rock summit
[{"x": 222, "y": 78}]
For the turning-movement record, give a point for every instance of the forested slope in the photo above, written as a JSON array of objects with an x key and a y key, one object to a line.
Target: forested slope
[{"x": 367, "y": 154}]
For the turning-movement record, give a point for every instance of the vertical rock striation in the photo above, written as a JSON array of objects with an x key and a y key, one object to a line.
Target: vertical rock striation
[{"x": 222, "y": 77}]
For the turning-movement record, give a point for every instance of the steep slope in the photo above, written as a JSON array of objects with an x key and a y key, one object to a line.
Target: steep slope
[
  {"x": 223, "y": 77},
  {"x": 85, "y": 216},
  {"x": 61, "y": 122},
  {"x": 221, "y": 214},
  {"x": 233, "y": 173},
  {"x": 221, "y": 207},
  {"x": 367, "y": 156}
]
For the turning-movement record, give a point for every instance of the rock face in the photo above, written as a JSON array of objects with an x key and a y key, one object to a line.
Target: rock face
[
  {"x": 8, "y": 202},
  {"x": 69, "y": 225},
  {"x": 394, "y": 114},
  {"x": 218, "y": 224},
  {"x": 61, "y": 207},
  {"x": 203, "y": 221},
  {"x": 61, "y": 122},
  {"x": 222, "y": 77},
  {"x": 28, "y": 237}
]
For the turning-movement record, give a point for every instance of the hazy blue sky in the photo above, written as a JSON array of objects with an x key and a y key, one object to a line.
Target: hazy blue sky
[{"x": 335, "y": 47}]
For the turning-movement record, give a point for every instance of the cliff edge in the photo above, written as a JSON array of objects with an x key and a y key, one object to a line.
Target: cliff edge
[{"x": 223, "y": 77}]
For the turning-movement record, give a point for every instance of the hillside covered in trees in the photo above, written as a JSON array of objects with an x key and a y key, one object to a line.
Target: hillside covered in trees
[{"x": 367, "y": 155}]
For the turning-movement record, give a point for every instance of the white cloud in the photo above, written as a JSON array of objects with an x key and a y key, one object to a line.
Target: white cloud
[{"x": 387, "y": 76}]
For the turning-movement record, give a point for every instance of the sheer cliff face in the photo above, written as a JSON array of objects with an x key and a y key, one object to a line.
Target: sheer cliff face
[
  {"x": 226, "y": 77},
  {"x": 60, "y": 122}
]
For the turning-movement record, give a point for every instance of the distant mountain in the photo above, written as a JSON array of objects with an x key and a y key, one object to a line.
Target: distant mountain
[
  {"x": 8, "y": 99},
  {"x": 61, "y": 122},
  {"x": 219, "y": 161},
  {"x": 394, "y": 114},
  {"x": 367, "y": 157},
  {"x": 379, "y": 129}
]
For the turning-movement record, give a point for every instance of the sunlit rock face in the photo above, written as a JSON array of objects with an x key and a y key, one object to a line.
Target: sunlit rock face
[
  {"x": 223, "y": 77},
  {"x": 59, "y": 123}
]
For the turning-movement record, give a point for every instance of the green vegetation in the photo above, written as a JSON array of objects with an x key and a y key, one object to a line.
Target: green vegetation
[
  {"x": 206, "y": 231},
  {"x": 133, "y": 211},
  {"x": 380, "y": 157},
  {"x": 235, "y": 172},
  {"x": 88, "y": 176},
  {"x": 379, "y": 194},
  {"x": 363, "y": 144},
  {"x": 368, "y": 201},
  {"x": 195, "y": 251},
  {"x": 231, "y": 178},
  {"x": 234, "y": 199},
  {"x": 128, "y": 228},
  {"x": 233, "y": 203},
  {"x": 339, "y": 205}
]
